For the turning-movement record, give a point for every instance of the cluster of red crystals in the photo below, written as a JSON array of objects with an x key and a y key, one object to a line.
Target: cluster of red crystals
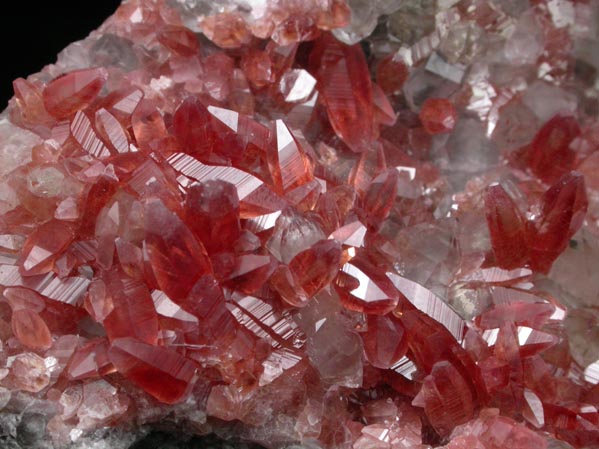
[
  {"x": 550, "y": 154},
  {"x": 539, "y": 241},
  {"x": 252, "y": 226}
]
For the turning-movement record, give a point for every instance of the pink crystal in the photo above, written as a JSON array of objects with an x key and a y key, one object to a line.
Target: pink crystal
[
  {"x": 30, "y": 329},
  {"x": 29, "y": 372},
  {"x": 180, "y": 40},
  {"x": 446, "y": 398},
  {"x": 90, "y": 360},
  {"x": 44, "y": 246},
  {"x": 73, "y": 91}
]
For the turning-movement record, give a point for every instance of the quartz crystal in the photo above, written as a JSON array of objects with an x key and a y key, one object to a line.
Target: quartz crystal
[{"x": 318, "y": 224}]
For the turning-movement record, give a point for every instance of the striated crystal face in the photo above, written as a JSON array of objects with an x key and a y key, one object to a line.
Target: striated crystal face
[{"x": 317, "y": 224}]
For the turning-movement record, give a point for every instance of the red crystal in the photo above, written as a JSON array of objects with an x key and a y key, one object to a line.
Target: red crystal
[
  {"x": 191, "y": 128},
  {"x": 283, "y": 282},
  {"x": 206, "y": 301},
  {"x": 563, "y": 209},
  {"x": 258, "y": 67},
  {"x": 160, "y": 372},
  {"x": 391, "y": 74},
  {"x": 247, "y": 272},
  {"x": 316, "y": 267},
  {"x": 507, "y": 228},
  {"x": 550, "y": 154},
  {"x": 178, "y": 259},
  {"x": 383, "y": 110},
  {"x": 212, "y": 210},
  {"x": 22, "y": 298},
  {"x": 31, "y": 106},
  {"x": 226, "y": 30},
  {"x": 438, "y": 115},
  {"x": 289, "y": 165},
  {"x": 345, "y": 85},
  {"x": 295, "y": 29},
  {"x": 385, "y": 341},
  {"x": 222, "y": 136},
  {"x": 533, "y": 315},
  {"x": 502, "y": 432},
  {"x": 133, "y": 313},
  {"x": 379, "y": 198}
]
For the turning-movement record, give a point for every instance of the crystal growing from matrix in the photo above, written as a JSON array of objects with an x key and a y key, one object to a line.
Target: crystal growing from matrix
[{"x": 324, "y": 224}]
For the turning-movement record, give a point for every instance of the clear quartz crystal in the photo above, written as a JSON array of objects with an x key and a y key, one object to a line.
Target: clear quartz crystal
[
  {"x": 365, "y": 17},
  {"x": 14, "y": 145},
  {"x": 45, "y": 182}
]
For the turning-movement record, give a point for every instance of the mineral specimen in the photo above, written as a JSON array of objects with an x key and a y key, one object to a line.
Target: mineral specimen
[{"x": 317, "y": 224}]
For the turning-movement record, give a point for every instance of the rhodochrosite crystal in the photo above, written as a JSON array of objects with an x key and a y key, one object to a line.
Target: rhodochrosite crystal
[{"x": 320, "y": 224}]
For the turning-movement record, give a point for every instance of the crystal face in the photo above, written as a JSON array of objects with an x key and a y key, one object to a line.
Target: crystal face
[{"x": 319, "y": 224}]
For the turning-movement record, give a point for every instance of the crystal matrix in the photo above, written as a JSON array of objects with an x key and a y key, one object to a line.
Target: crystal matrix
[{"x": 339, "y": 225}]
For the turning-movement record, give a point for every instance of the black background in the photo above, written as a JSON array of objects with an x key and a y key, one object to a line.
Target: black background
[{"x": 33, "y": 33}]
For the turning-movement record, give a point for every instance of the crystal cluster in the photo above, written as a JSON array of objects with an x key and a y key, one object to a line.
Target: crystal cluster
[{"x": 361, "y": 225}]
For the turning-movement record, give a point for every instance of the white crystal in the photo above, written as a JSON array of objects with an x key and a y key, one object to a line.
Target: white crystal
[
  {"x": 364, "y": 18},
  {"x": 546, "y": 100},
  {"x": 437, "y": 65},
  {"x": 15, "y": 146},
  {"x": 45, "y": 181},
  {"x": 336, "y": 352},
  {"x": 562, "y": 12}
]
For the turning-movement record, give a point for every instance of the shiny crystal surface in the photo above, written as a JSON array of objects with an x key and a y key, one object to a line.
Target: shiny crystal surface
[{"x": 320, "y": 225}]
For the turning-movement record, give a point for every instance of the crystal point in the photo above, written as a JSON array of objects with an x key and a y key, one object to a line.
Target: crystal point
[
  {"x": 345, "y": 85},
  {"x": 73, "y": 91},
  {"x": 385, "y": 341},
  {"x": 362, "y": 287},
  {"x": 507, "y": 228},
  {"x": 177, "y": 257},
  {"x": 44, "y": 246},
  {"x": 563, "y": 209}
]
